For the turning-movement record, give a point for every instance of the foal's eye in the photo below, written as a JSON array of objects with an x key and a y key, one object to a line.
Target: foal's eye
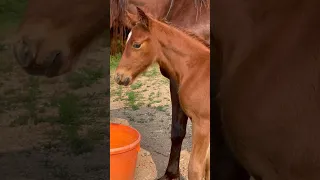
[{"x": 136, "y": 45}]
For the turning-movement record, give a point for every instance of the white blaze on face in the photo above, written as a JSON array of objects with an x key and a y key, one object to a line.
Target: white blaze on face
[{"x": 129, "y": 36}]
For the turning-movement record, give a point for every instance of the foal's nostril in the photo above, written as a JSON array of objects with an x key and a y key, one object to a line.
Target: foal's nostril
[
  {"x": 126, "y": 81},
  {"x": 25, "y": 52},
  {"x": 118, "y": 78}
]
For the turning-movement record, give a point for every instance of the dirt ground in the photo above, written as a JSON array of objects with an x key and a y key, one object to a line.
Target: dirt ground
[
  {"x": 54, "y": 129},
  {"x": 146, "y": 106}
]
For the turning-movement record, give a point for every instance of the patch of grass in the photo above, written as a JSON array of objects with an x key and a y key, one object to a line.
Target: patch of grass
[
  {"x": 76, "y": 143},
  {"x": 136, "y": 85},
  {"x": 11, "y": 12},
  {"x": 73, "y": 113},
  {"x": 31, "y": 99},
  {"x": 84, "y": 77},
  {"x": 165, "y": 81},
  {"x": 162, "y": 108},
  {"x": 152, "y": 72},
  {"x": 69, "y": 109},
  {"x": 156, "y": 101},
  {"x": 11, "y": 9},
  {"x": 70, "y": 113},
  {"x": 158, "y": 94},
  {"x": 151, "y": 96},
  {"x": 133, "y": 101},
  {"x": 114, "y": 61},
  {"x": 152, "y": 99}
]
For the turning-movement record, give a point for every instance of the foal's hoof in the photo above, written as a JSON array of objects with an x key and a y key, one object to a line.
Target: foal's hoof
[{"x": 166, "y": 177}]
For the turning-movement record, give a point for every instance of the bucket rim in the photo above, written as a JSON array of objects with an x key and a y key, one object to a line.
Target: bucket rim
[{"x": 127, "y": 147}]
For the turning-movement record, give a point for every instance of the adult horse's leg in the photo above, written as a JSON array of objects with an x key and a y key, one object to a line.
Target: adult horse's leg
[{"x": 178, "y": 132}]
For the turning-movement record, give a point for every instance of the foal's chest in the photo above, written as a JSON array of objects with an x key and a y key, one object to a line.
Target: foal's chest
[{"x": 195, "y": 100}]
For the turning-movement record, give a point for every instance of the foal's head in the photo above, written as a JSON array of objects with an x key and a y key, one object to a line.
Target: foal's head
[
  {"x": 53, "y": 33},
  {"x": 140, "y": 51}
]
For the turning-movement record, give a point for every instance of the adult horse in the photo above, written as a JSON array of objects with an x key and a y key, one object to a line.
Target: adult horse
[
  {"x": 269, "y": 85},
  {"x": 53, "y": 34}
]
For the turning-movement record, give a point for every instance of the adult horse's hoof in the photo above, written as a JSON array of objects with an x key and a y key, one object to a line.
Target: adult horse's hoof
[{"x": 167, "y": 177}]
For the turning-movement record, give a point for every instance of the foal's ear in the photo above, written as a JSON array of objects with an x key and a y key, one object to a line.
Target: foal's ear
[
  {"x": 143, "y": 18},
  {"x": 131, "y": 19}
]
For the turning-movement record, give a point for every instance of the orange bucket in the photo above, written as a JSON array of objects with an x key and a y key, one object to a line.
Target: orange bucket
[{"x": 124, "y": 148}]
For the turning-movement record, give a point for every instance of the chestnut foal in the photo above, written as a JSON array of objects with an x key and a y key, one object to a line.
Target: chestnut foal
[{"x": 187, "y": 60}]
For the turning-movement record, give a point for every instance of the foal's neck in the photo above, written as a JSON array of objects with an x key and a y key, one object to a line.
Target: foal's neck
[{"x": 180, "y": 54}]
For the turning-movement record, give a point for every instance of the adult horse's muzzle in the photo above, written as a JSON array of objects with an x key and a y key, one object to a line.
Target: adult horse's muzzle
[{"x": 26, "y": 53}]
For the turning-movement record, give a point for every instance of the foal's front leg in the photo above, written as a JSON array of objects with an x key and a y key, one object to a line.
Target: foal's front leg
[{"x": 178, "y": 132}]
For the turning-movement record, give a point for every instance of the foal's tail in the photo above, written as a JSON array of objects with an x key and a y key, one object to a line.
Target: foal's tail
[{"x": 207, "y": 166}]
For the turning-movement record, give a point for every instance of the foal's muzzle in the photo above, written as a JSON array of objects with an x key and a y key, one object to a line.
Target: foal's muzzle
[{"x": 122, "y": 79}]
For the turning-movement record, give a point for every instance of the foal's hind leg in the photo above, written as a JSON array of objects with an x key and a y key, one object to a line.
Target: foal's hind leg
[
  {"x": 200, "y": 145},
  {"x": 207, "y": 168},
  {"x": 178, "y": 132}
]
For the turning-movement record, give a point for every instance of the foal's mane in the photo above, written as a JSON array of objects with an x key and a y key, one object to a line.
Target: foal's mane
[{"x": 189, "y": 33}]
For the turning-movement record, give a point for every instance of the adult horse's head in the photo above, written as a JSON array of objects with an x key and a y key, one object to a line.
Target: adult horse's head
[
  {"x": 53, "y": 33},
  {"x": 140, "y": 50}
]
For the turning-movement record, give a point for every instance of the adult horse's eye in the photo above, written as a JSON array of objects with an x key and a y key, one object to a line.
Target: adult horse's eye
[{"x": 136, "y": 45}]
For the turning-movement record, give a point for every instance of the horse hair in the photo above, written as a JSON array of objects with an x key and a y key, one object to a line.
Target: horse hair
[
  {"x": 121, "y": 11},
  {"x": 189, "y": 33}
]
